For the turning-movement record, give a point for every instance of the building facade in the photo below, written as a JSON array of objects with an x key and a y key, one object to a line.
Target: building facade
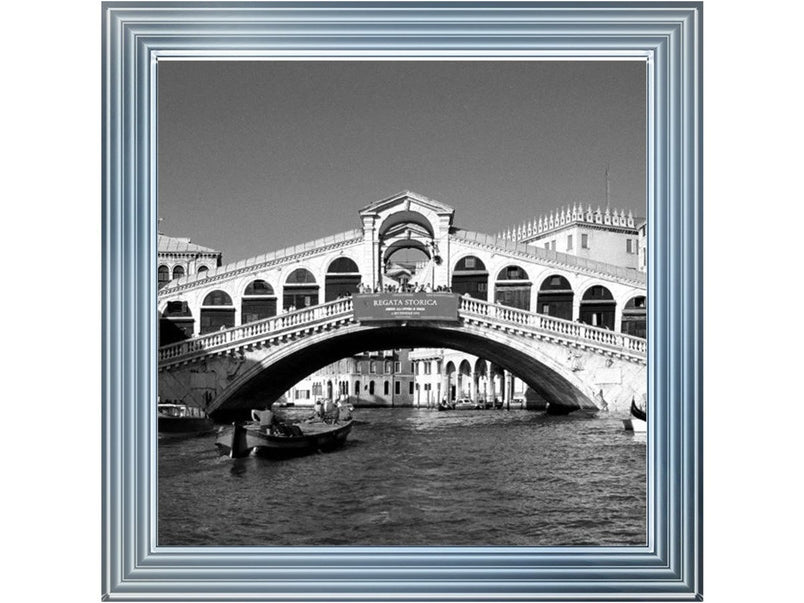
[
  {"x": 177, "y": 257},
  {"x": 609, "y": 236},
  {"x": 382, "y": 378}
]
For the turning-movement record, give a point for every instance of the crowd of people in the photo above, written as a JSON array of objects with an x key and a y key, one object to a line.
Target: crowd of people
[{"x": 403, "y": 288}]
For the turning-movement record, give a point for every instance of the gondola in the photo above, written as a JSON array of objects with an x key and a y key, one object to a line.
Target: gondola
[
  {"x": 239, "y": 440},
  {"x": 638, "y": 422}
]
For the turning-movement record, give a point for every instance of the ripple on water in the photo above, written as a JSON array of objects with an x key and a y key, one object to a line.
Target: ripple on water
[{"x": 417, "y": 477}]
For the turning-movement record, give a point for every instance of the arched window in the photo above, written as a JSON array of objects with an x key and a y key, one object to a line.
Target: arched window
[
  {"x": 217, "y": 312},
  {"x": 202, "y": 269},
  {"x": 598, "y": 307},
  {"x": 259, "y": 302},
  {"x": 513, "y": 288},
  {"x": 178, "y": 271},
  {"x": 555, "y": 297},
  {"x": 357, "y": 388},
  {"x": 176, "y": 323},
  {"x": 342, "y": 279},
  {"x": 470, "y": 276},
  {"x": 301, "y": 290},
  {"x": 635, "y": 316},
  {"x": 371, "y": 388},
  {"x": 385, "y": 388},
  {"x": 163, "y": 277}
]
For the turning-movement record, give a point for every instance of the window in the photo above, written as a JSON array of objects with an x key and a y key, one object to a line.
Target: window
[
  {"x": 410, "y": 389},
  {"x": 385, "y": 388},
  {"x": 397, "y": 367},
  {"x": 371, "y": 388},
  {"x": 585, "y": 241},
  {"x": 569, "y": 242},
  {"x": 389, "y": 368},
  {"x": 202, "y": 269},
  {"x": 164, "y": 276},
  {"x": 397, "y": 387},
  {"x": 628, "y": 246},
  {"x": 372, "y": 367},
  {"x": 178, "y": 271},
  {"x": 427, "y": 368}
]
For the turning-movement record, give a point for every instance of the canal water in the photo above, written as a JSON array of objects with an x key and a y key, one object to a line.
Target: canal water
[{"x": 417, "y": 477}]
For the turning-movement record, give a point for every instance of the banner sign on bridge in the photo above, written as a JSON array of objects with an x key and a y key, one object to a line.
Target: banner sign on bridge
[{"x": 405, "y": 306}]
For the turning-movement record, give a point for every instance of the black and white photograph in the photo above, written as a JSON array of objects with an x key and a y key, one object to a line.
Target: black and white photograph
[{"x": 402, "y": 302}]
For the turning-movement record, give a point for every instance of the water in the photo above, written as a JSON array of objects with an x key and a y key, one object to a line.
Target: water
[{"x": 417, "y": 477}]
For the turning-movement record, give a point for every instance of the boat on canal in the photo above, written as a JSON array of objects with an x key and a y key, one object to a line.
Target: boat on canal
[
  {"x": 279, "y": 441},
  {"x": 182, "y": 420},
  {"x": 638, "y": 421}
]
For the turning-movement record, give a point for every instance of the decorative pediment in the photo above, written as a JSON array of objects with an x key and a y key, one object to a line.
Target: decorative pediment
[{"x": 407, "y": 201}]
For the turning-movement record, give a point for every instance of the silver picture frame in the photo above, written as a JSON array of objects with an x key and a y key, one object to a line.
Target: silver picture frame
[{"x": 666, "y": 35}]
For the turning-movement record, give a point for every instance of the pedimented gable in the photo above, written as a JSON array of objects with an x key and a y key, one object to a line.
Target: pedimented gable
[{"x": 407, "y": 201}]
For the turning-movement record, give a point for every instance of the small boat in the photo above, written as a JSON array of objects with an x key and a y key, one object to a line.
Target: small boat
[
  {"x": 638, "y": 421},
  {"x": 239, "y": 440},
  {"x": 466, "y": 404},
  {"x": 181, "y": 420}
]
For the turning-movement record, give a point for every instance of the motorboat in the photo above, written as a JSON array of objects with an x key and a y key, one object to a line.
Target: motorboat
[{"x": 182, "y": 420}]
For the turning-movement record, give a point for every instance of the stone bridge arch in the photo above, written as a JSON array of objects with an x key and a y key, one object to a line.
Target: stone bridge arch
[{"x": 268, "y": 375}]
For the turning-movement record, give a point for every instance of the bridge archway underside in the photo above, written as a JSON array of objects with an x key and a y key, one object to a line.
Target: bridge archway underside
[{"x": 561, "y": 361}]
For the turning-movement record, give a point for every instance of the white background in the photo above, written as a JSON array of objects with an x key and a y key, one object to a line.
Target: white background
[{"x": 52, "y": 248}]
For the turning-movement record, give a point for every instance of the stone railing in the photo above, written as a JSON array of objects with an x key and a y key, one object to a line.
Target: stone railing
[
  {"x": 567, "y": 331},
  {"x": 212, "y": 342}
]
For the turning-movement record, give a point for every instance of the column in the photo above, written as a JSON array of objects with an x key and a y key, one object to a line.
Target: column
[{"x": 507, "y": 390}]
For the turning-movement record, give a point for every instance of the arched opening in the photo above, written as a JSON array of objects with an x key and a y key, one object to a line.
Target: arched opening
[
  {"x": 481, "y": 382},
  {"x": 217, "y": 312},
  {"x": 449, "y": 372},
  {"x": 635, "y": 315},
  {"x": 301, "y": 290},
  {"x": 406, "y": 263},
  {"x": 555, "y": 297},
  {"x": 513, "y": 288},
  {"x": 371, "y": 388},
  {"x": 329, "y": 390},
  {"x": 401, "y": 222},
  {"x": 178, "y": 272},
  {"x": 464, "y": 379},
  {"x": 598, "y": 307},
  {"x": 554, "y": 382},
  {"x": 202, "y": 269},
  {"x": 470, "y": 276},
  {"x": 163, "y": 276},
  {"x": 342, "y": 279},
  {"x": 176, "y": 323},
  {"x": 258, "y": 302}
]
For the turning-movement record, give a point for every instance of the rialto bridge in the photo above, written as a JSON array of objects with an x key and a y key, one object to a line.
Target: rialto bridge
[{"x": 241, "y": 335}]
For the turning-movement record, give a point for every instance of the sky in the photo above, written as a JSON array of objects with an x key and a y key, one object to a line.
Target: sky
[{"x": 255, "y": 156}]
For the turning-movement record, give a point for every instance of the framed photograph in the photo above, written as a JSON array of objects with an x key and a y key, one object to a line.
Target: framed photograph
[{"x": 402, "y": 301}]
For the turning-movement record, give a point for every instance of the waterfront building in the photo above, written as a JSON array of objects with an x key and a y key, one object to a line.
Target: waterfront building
[
  {"x": 178, "y": 256},
  {"x": 610, "y": 236},
  {"x": 383, "y": 378},
  {"x": 444, "y": 375}
]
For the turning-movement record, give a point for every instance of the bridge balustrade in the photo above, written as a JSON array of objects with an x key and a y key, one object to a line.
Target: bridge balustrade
[{"x": 342, "y": 308}]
